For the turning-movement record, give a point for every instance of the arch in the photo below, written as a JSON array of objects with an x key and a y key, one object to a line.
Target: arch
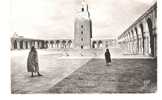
[
  {"x": 127, "y": 42},
  {"x": 94, "y": 44},
  {"x": 137, "y": 37},
  {"x": 46, "y": 44},
  {"x": 43, "y": 46},
  {"x": 63, "y": 44},
  {"x": 143, "y": 44},
  {"x": 52, "y": 42},
  {"x": 100, "y": 44},
  {"x": 133, "y": 41},
  {"x": 130, "y": 42},
  {"x": 29, "y": 44},
  {"x": 38, "y": 44},
  {"x": 21, "y": 44},
  {"x": 57, "y": 43},
  {"x": 69, "y": 43},
  {"x": 26, "y": 44},
  {"x": 15, "y": 44},
  {"x": 32, "y": 43},
  {"x": 106, "y": 44},
  {"x": 150, "y": 27}
]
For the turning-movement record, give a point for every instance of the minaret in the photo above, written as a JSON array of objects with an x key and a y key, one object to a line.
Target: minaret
[
  {"x": 85, "y": 8},
  {"x": 83, "y": 28}
]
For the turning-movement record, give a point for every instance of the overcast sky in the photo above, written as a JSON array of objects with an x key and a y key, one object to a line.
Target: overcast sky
[{"x": 47, "y": 19}]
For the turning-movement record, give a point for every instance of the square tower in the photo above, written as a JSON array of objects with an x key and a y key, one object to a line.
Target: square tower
[{"x": 83, "y": 29}]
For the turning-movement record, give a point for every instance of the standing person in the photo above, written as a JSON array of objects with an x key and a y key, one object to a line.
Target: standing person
[
  {"x": 107, "y": 57},
  {"x": 32, "y": 62}
]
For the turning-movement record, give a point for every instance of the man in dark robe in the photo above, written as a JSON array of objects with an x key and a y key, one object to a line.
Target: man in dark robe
[
  {"x": 107, "y": 57},
  {"x": 32, "y": 62}
]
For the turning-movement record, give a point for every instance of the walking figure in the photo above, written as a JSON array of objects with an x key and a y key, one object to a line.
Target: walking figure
[
  {"x": 32, "y": 62},
  {"x": 107, "y": 57}
]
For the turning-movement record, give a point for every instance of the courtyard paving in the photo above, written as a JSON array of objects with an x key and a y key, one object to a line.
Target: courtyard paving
[
  {"x": 67, "y": 72},
  {"x": 122, "y": 76}
]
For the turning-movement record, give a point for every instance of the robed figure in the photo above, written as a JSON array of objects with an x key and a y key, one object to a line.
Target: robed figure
[
  {"x": 32, "y": 62},
  {"x": 107, "y": 57}
]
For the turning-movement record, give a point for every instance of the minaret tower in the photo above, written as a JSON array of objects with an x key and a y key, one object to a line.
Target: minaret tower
[{"x": 83, "y": 28}]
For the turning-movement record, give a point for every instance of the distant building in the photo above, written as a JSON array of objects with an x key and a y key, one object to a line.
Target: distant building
[
  {"x": 141, "y": 36},
  {"x": 103, "y": 43}
]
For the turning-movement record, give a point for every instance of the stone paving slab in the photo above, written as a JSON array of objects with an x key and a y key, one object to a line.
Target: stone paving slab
[
  {"x": 53, "y": 71},
  {"x": 56, "y": 68},
  {"x": 123, "y": 76}
]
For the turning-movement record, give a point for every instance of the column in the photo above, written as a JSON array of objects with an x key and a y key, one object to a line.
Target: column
[
  {"x": 18, "y": 44},
  {"x": 29, "y": 46},
  {"x": 139, "y": 39},
  {"x": 24, "y": 45},
  {"x": 12, "y": 44},
  {"x": 154, "y": 19},
  {"x": 40, "y": 45},
  {"x": 130, "y": 43},
  {"x": 135, "y": 41},
  {"x": 127, "y": 46},
  {"x": 146, "y": 38}
]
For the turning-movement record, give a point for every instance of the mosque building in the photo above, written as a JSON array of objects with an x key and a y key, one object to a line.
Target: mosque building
[
  {"x": 139, "y": 39},
  {"x": 82, "y": 36}
]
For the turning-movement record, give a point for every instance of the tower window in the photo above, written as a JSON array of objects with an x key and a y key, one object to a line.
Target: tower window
[
  {"x": 81, "y": 26},
  {"x": 81, "y": 32},
  {"x": 81, "y": 46},
  {"x": 82, "y": 39},
  {"x": 82, "y": 9}
]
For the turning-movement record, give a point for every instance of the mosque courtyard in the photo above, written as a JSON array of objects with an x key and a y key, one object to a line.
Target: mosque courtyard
[{"x": 75, "y": 71}]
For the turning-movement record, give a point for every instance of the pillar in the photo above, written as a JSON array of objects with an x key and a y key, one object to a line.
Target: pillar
[
  {"x": 18, "y": 44},
  {"x": 130, "y": 43},
  {"x": 29, "y": 44},
  {"x": 146, "y": 38},
  {"x": 154, "y": 19},
  {"x": 12, "y": 44},
  {"x": 135, "y": 41},
  {"x": 40, "y": 45},
  {"x": 140, "y": 39},
  {"x": 24, "y": 45}
]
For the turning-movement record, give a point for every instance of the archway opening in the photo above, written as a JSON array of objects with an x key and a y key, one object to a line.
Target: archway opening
[
  {"x": 15, "y": 44},
  {"x": 137, "y": 37},
  {"x": 47, "y": 44},
  {"x": 69, "y": 43},
  {"x": 57, "y": 43},
  {"x": 149, "y": 23},
  {"x": 21, "y": 44},
  {"x": 143, "y": 44},
  {"x": 42, "y": 44},
  {"x": 106, "y": 44},
  {"x": 63, "y": 44},
  {"x": 94, "y": 44},
  {"x": 100, "y": 44},
  {"x": 51, "y": 42}
]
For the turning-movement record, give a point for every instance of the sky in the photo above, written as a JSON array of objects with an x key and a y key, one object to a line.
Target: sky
[{"x": 50, "y": 19}]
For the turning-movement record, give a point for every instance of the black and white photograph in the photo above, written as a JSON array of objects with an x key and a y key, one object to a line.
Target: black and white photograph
[{"x": 83, "y": 47}]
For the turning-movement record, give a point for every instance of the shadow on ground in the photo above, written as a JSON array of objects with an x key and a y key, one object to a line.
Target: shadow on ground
[{"x": 122, "y": 76}]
